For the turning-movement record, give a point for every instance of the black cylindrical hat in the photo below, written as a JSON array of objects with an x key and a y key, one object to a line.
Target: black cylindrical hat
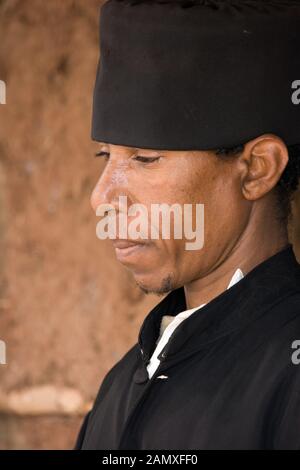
[{"x": 180, "y": 75}]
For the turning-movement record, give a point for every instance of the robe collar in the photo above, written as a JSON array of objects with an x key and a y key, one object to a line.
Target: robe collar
[{"x": 266, "y": 284}]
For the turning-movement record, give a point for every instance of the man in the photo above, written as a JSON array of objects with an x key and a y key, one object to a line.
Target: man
[{"x": 197, "y": 102}]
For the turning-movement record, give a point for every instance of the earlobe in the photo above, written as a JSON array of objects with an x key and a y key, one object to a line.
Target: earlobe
[{"x": 266, "y": 158}]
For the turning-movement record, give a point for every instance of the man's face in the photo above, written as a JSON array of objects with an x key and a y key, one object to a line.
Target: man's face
[{"x": 147, "y": 177}]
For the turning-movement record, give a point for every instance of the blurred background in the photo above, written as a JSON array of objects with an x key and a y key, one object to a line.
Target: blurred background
[{"x": 68, "y": 310}]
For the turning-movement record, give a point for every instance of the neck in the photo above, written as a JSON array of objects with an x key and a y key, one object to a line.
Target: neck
[{"x": 262, "y": 238}]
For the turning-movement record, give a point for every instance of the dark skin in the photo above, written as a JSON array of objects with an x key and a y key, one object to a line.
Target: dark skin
[{"x": 241, "y": 224}]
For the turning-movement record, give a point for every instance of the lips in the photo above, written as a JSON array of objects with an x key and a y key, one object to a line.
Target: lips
[
  {"x": 123, "y": 244},
  {"x": 128, "y": 251}
]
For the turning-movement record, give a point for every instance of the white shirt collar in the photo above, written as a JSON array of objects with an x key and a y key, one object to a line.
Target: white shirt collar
[
  {"x": 170, "y": 323},
  {"x": 237, "y": 276}
]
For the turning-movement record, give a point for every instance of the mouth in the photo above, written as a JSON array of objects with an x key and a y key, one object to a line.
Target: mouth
[{"x": 128, "y": 249}]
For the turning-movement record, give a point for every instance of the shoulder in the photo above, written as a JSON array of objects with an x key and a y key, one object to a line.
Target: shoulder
[
  {"x": 127, "y": 361},
  {"x": 280, "y": 332}
]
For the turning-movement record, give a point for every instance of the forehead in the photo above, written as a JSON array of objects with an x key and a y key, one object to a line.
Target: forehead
[{"x": 145, "y": 150}]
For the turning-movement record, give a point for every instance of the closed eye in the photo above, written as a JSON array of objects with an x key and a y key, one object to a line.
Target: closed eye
[
  {"x": 138, "y": 158},
  {"x": 104, "y": 155},
  {"x": 142, "y": 159}
]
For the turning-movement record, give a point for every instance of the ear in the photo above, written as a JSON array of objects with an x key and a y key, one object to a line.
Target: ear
[{"x": 263, "y": 162}]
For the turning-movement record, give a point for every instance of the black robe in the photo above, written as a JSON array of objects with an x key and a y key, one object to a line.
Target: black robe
[{"x": 231, "y": 382}]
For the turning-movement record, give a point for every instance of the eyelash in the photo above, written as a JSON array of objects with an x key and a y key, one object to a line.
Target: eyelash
[{"x": 139, "y": 158}]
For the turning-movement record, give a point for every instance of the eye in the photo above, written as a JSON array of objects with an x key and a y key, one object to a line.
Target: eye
[
  {"x": 142, "y": 159},
  {"x": 138, "y": 158},
  {"x": 102, "y": 154}
]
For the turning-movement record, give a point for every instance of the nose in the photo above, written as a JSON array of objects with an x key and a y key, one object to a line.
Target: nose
[
  {"x": 96, "y": 195},
  {"x": 108, "y": 188}
]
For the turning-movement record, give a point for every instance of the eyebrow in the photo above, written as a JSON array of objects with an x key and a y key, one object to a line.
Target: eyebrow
[
  {"x": 107, "y": 143},
  {"x": 130, "y": 148},
  {"x": 102, "y": 143}
]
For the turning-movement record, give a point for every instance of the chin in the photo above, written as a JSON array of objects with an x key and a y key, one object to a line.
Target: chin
[{"x": 154, "y": 284}]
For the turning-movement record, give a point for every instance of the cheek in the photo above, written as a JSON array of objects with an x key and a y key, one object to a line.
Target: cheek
[
  {"x": 226, "y": 211},
  {"x": 226, "y": 216}
]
